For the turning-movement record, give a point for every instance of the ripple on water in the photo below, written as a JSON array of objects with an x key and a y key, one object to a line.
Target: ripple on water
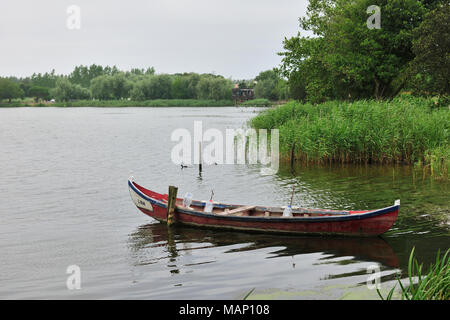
[{"x": 65, "y": 201}]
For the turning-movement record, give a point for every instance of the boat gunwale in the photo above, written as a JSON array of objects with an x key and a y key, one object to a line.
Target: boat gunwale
[{"x": 352, "y": 216}]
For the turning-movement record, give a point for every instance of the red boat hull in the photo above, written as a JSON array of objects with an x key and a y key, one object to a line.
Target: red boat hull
[{"x": 357, "y": 223}]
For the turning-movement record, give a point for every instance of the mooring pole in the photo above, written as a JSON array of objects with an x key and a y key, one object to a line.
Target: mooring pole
[
  {"x": 292, "y": 196},
  {"x": 200, "y": 158},
  {"x": 292, "y": 155},
  {"x": 171, "y": 205}
]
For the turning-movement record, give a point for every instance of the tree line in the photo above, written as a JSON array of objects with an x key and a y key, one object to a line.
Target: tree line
[
  {"x": 343, "y": 60},
  {"x": 346, "y": 60},
  {"x": 110, "y": 83}
]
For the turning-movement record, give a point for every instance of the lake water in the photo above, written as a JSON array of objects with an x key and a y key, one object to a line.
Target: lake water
[{"x": 64, "y": 201}]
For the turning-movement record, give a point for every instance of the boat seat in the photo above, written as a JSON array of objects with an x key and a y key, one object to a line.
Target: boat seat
[{"x": 237, "y": 210}]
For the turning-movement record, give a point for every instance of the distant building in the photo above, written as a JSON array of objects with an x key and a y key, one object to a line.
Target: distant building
[{"x": 242, "y": 94}]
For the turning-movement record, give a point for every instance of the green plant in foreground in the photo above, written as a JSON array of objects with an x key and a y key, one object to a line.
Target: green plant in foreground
[
  {"x": 248, "y": 294},
  {"x": 435, "y": 285}
]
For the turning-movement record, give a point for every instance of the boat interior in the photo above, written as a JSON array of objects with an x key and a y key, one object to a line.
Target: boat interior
[
  {"x": 249, "y": 211},
  {"x": 261, "y": 211}
]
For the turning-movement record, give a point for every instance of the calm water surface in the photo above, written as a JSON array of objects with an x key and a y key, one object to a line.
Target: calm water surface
[{"x": 64, "y": 201}]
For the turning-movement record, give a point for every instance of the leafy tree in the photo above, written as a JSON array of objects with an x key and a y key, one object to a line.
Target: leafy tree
[
  {"x": 297, "y": 86},
  {"x": 10, "y": 89},
  {"x": 246, "y": 84},
  {"x": 266, "y": 75},
  {"x": 158, "y": 87},
  {"x": 47, "y": 80},
  {"x": 184, "y": 86},
  {"x": 266, "y": 89},
  {"x": 83, "y": 75},
  {"x": 140, "y": 72},
  {"x": 80, "y": 93},
  {"x": 25, "y": 85},
  {"x": 281, "y": 90},
  {"x": 270, "y": 85},
  {"x": 149, "y": 71},
  {"x": 180, "y": 88},
  {"x": 39, "y": 93},
  {"x": 138, "y": 92},
  {"x": 109, "y": 87},
  {"x": 66, "y": 91},
  {"x": 430, "y": 68},
  {"x": 101, "y": 88},
  {"x": 193, "y": 80},
  {"x": 121, "y": 86},
  {"x": 347, "y": 60},
  {"x": 214, "y": 87},
  {"x": 152, "y": 87}
]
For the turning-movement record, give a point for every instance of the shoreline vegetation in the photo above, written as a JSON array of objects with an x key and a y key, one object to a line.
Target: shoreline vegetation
[
  {"x": 98, "y": 86},
  {"x": 406, "y": 130},
  {"x": 144, "y": 103},
  {"x": 125, "y": 103}
]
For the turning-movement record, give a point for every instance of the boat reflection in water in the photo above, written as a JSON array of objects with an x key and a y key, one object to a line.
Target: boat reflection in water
[{"x": 178, "y": 239}]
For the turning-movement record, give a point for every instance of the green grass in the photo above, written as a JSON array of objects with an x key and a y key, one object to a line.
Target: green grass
[
  {"x": 439, "y": 162},
  {"x": 29, "y": 102},
  {"x": 434, "y": 285},
  {"x": 248, "y": 294},
  {"x": 129, "y": 103},
  {"x": 405, "y": 130},
  {"x": 257, "y": 103},
  {"x": 147, "y": 103}
]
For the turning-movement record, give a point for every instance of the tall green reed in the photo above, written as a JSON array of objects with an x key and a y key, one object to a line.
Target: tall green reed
[
  {"x": 432, "y": 285},
  {"x": 404, "y": 130}
]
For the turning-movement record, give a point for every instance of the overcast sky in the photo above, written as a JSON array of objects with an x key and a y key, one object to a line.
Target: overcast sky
[{"x": 234, "y": 38}]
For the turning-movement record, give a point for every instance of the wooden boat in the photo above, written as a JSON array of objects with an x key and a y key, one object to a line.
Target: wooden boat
[{"x": 267, "y": 219}]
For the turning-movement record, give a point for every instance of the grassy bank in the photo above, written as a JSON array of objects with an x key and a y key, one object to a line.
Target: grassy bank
[
  {"x": 257, "y": 103},
  {"x": 405, "y": 130},
  {"x": 146, "y": 103},
  {"x": 125, "y": 103},
  {"x": 262, "y": 103}
]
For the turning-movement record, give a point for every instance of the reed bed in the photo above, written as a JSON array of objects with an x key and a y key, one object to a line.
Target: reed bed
[
  {"x": 404, "y": 130},
  {"x": 257, "y": 103}
]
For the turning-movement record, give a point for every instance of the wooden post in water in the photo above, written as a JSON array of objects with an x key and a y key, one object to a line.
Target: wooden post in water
[
  {"x": 200, "y": 159},
  {"x": 171, "y": 205},
  {"x": 292, "y": 196},
  {"x": 292, "y": 155}
]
